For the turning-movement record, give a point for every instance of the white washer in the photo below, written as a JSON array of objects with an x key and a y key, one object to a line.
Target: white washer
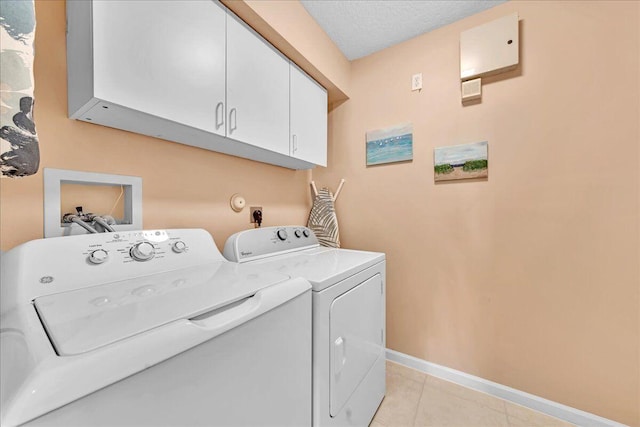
[
  {"x": 150, "y": 328},
  {"x": 348, "y": 316}
]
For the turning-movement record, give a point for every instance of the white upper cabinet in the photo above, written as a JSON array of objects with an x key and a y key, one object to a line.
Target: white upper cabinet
[
  {"x": 308, "y": 129},
  {"x": 193, "y": 73},
  {"x": 257, "y": 90},
  {"x": 166, "y": 58}
]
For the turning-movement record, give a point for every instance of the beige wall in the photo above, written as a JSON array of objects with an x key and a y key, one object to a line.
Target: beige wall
[
  {"x": 182, "y": 186},
  {"x": 530, "y": 278}
]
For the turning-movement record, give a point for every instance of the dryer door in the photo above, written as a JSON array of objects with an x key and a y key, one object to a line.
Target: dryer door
[{"x": 356, "y": 328}]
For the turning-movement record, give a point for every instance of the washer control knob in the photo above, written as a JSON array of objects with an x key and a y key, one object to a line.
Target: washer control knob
[
  {"x": 282, "y": 234},
  {"x": 298, "y": 233},
  {"x": 143, "y": 251},
  {"x": 179, "y": 247},
  {"x": 98, "y": 256},
  {"x": 305, "y": 232}
]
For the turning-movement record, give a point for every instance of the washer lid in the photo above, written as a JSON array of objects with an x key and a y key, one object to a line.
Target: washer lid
[{"x": 85, "y": 319}]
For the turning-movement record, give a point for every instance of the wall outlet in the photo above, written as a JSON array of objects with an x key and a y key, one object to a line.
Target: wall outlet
[
  {"x": 416, "y": 82},
  {"x": 252, "y": 209}
]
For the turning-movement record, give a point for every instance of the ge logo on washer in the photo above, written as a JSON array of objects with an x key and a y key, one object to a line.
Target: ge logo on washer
[{"x": 46, "y": 279}]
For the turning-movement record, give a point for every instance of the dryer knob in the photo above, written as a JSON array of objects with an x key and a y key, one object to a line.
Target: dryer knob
[
  {"x": 305, "y": 232},
  {"x": 98, "y": 256},
  {"x": 142, "y": 251},
  {"x": 282, "y": 234},
  {"x": 298, "y": 233}
]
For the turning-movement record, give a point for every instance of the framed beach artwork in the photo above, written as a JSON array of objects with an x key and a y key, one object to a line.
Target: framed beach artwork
[
  {"x": 390, "y": 145},
  {"x": 461, "y": 162}
]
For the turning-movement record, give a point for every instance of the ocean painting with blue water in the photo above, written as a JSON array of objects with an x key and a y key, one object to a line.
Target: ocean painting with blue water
[{"x": 391, "y": 145}]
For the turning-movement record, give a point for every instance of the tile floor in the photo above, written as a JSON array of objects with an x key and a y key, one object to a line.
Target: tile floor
[{"x": 417, "y": 399}]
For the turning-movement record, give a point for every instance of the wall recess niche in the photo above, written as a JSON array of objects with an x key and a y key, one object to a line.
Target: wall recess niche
[{"x": 128, "y": 188}]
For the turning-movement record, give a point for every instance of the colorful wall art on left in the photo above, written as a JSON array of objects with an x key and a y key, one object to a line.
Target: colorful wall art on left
[{"x": 19, "y": 151}]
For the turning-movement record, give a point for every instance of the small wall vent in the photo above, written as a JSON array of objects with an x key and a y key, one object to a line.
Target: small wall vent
[{"x": 471, "y": 89}]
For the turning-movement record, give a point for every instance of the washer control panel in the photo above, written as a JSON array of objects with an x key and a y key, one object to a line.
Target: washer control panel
[
  {"x": 267, "y": 241},
  {"x": 136, "y": 246},
  {"x": 79, "y": 261}
]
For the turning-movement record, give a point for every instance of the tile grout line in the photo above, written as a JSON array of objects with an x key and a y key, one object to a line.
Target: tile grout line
[
  {"x": 424, "y": 384},
  {"x": 409, "y": 368},
  {"x": 506, "y": 413},
  {"x": 504, "y": 402},
  {"x": 530, "y": 401}
]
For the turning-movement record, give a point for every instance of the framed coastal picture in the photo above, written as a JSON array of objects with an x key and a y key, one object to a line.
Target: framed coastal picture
[
  {"x": 390, "y": 145},
  {"x": 461, "y": 162}
]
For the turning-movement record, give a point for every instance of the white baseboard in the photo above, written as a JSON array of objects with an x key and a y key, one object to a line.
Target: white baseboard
[{"x": 554, "y": 409}]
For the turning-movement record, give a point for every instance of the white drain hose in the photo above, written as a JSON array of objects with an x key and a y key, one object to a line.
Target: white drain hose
[
  {"x": 105, "y": 221},
  {"x": 76, "y": 219}
]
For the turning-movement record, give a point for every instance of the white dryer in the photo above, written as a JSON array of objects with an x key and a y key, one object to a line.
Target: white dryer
[
  {"x": 348, "y": 316},
  {"x": 150, "y": 328}
]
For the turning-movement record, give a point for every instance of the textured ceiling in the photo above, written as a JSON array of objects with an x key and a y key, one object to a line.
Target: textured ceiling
[{"x": 361, "y": 27}]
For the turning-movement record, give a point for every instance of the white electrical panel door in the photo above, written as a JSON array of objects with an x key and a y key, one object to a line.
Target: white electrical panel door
[
  {"x": 357, "y": 338},
  {"x": 308, "y": 119},
  {"x": 257, "y": 90},
  {"x": 163, "y": 58},
  {"x": 489, "y": 48}
]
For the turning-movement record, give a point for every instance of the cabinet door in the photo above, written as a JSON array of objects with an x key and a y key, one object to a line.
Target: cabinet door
[
  {"x": 165, "y": 58},
  {"x": 308, "y": 119},
  {"x": 257, "y": 90}
]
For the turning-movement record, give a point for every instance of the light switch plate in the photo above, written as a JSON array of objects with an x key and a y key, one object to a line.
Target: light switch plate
[{"x": 416, "y": 82}]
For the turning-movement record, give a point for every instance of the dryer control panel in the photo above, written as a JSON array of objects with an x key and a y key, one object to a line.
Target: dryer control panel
[{"x": 263, "y": 242}]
